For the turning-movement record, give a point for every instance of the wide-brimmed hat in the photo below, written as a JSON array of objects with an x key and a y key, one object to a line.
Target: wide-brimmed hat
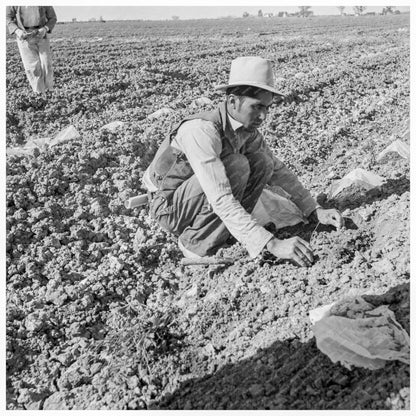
[{"x": 253, "y": 71}]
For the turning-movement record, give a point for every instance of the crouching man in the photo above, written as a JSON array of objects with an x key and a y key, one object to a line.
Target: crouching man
[{"x": 208, "y": 174}]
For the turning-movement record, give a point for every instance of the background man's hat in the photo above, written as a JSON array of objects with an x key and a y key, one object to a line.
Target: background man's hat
[{"x": 251, "y": 70}]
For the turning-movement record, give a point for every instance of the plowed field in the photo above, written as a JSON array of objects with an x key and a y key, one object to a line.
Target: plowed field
[{"x": 101, "y": 318}]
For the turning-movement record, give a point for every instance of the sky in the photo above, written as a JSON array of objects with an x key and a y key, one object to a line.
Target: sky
[
  {"x": 84, "y": 10},
  {"x": 84, "y": 13}
]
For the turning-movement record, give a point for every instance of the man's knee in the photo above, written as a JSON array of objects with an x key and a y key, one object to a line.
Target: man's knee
[
  {"x": 237, "y": 168},
  {"x": 34, "y": 70},
  {"x": 261, "y": 164}
]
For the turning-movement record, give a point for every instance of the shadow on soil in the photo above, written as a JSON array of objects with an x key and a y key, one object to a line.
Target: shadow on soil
[
  {"x": 295, "y": 375},
  {"x": 353, "y": 198}
]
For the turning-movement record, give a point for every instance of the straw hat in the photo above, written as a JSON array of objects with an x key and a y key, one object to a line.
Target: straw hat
[{"x": 251, "y": 70}]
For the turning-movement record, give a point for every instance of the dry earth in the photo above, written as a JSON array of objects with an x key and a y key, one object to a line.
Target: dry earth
[{"x": 99, "y": 317}]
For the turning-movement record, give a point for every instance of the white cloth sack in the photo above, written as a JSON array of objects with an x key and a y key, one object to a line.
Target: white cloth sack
[
  {"x": 359, "y": 176},
  {"x": 365, "y": 337},
  {"x": 275, "y": 208},
  {"x": 113, "y": 126},
  {"x": 159, "y": 113},
  {"x": 69, "y": 133},
  {"x": 65, "y": 135},
  {"x": 403, "y": 149},
  {"x": 29, "y": 147},
  {"x": 199, "y": 102}
]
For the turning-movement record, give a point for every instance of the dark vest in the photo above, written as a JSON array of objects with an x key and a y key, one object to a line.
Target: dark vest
[
  {"x": 42, "y": 17},
  {"x": 170, "y": 167}
]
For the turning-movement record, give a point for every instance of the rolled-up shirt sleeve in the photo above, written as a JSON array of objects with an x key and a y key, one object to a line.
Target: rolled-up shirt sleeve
[
  {"x": 51, "y": 17},
  {"x": 11, "y": 19},
  {"x": 200, "y": 142},
  {"x": 285, "y": 178}
]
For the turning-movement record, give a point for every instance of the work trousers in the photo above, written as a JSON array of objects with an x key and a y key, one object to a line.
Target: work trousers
[
  {"x": 189, "y": 215},
  {"x": 37, "y": 61}
]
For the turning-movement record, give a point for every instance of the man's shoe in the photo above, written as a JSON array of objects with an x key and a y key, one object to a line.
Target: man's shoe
[
  {"x": 230, "y": 241},
  {"x": 188, "y": 254}
]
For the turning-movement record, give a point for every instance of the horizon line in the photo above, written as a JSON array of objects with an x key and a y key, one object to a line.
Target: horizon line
[{"x": 97, "y": 20}]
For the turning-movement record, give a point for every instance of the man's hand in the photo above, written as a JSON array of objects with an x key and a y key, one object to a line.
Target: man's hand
[
  {"x": 20, "y": 34},
  {"x": 42, "y": 32},
  {"x": 330, "y": 217},
  {"x": 294, "y": 249}
]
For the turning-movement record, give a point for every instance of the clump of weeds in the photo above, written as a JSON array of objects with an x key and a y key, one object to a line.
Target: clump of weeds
[{"x": 138, "y": 337}]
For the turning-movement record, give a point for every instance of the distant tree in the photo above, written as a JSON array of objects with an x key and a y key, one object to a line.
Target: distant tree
[
  {"x": 388, "y": 10},
  {"x": 341, "y": 10},
  {"x": 245, "y": 14},
  {"x": 74, "y": 19},
  {"x": 175, "y": 17},
  {"x": 101, "y": 19},
  {"x": 359, "y": 10},
  {"x": 93, "y": 19},
  {"x": 260, "y": 13},
  {"x": 304, "y": 11}
]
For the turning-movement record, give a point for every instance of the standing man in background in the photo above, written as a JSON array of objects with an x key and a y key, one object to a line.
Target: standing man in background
[{"x": 32, "y": 24}]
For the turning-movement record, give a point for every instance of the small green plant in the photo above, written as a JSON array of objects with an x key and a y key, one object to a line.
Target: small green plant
[{"x": 138, "y": 336}]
